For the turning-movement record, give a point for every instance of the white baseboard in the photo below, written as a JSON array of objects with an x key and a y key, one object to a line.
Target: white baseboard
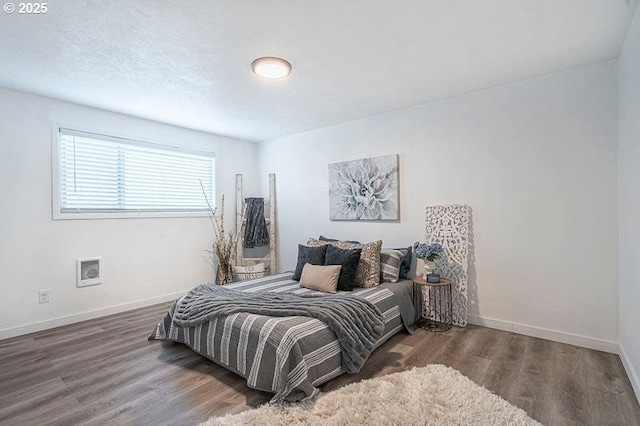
[
  {"x": 631, "y": 372},
  {"x": 83, "y": 316},
  {"x": 544, "y": 333}
]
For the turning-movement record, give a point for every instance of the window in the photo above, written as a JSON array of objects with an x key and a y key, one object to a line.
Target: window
[{"x": 105, "y": 176}]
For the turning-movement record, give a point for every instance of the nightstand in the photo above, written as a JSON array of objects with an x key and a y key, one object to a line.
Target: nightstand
[{"x": 439, "y": 304}]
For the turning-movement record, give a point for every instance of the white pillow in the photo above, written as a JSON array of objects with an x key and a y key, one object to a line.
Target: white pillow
[{"x": 321, "y": 278}]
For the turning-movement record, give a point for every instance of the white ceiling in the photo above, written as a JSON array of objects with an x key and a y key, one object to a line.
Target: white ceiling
[{"x": 187, "y": 62}]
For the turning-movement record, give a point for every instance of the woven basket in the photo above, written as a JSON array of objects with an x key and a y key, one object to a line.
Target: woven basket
[{"x": 243, "y": 273}]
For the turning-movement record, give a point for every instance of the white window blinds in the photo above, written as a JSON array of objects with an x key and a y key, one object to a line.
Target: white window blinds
[{"x": 100, "y": 173}]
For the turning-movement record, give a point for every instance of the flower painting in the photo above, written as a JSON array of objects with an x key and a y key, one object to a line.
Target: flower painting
[{"x": 364, "y": 189}]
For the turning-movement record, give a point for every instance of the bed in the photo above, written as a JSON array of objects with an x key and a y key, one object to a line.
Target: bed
[{"x": 289, "y": 356}]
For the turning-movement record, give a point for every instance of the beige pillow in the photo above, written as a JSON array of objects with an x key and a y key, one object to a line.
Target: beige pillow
[
  {"x": 321, "y": 278},
  {"x": 368, "y": 273}
]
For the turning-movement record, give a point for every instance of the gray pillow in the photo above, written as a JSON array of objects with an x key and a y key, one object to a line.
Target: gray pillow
[
  {"x": 390, "y": 262},
  {"x": 312, "y": 255},
  {"x": 405, "y": 266},
  {"x": 368, "y": 274},
  {"x": 348, "y": 259}
]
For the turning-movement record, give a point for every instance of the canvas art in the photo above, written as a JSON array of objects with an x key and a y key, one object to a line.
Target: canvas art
[{"x": 365, "y": 189}]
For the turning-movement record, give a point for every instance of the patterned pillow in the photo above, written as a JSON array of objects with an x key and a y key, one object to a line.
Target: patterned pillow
[
  {"x": 312, "y": 255},
  {"x": 390, "y": 262},
  {"x": 368, "y": 273},
  {"x": 333, "y": 240}
]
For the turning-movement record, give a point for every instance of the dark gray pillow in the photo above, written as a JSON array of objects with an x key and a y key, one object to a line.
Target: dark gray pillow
[
  {"x": 405, "y": 266},
  {"x": 332, "y": 240},
  {"x": 349, "y": 260},
  {"x": 312, "y": 255}
]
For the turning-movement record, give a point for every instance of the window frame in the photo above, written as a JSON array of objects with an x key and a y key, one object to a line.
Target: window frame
[{"x": 56, "y": 196}]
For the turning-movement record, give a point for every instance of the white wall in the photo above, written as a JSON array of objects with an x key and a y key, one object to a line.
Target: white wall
[
  {"x": 629, "y": 133},
  {"x": 536, "y": 160},
  {"x": 145, "y": 260}
]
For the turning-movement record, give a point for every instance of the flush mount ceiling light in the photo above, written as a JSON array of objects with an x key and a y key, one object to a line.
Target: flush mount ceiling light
[{"x": 271, "y": 68}]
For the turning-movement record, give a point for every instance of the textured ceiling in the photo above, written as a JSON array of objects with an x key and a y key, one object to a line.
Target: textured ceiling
[{"x": 188, "y": 62}]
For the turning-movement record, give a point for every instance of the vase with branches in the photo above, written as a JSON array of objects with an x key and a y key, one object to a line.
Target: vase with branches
[{"x": 224, "y": 243}]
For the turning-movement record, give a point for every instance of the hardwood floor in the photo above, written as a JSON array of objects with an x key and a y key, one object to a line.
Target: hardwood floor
[{"x": 104, "y": 371}]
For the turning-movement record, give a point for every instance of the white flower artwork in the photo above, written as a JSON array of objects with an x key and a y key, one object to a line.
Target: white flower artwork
[{"x": 364, "y": 189}]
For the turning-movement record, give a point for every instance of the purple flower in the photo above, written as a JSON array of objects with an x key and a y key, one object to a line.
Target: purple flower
[{"x": 426, "y": 251}]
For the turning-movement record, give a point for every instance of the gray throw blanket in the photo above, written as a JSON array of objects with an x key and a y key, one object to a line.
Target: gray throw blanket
[
  {"x": 256, "y": 233},
  {"x": 357, "y": 323}
]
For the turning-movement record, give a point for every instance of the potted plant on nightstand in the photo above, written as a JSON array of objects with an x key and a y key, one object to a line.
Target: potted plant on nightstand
[{"x": 428, "y": 253}]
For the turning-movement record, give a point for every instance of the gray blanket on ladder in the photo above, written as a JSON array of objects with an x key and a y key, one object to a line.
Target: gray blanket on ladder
[
  {"x": 256, "y": 233},
  {"x": 357, "y": 323}
]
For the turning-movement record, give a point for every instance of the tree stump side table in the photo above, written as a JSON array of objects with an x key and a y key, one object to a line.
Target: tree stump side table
[{"x": 439, "y": 304}]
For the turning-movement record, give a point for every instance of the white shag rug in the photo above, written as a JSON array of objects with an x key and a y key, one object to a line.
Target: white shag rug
[{"x": 431, "y": 395}]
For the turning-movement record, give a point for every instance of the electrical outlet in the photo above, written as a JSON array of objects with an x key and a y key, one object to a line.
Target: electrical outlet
[{"x": 43, "y": 296}]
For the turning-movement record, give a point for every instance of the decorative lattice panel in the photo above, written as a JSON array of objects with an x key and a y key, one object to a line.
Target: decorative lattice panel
[{"x": 450, "y": 225}]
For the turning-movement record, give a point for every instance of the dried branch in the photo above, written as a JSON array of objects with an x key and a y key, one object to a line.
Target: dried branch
[{"x": 224, "y": 243}]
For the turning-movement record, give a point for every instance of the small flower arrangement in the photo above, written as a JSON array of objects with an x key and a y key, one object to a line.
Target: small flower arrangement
[{"x": 426, "y": 251}]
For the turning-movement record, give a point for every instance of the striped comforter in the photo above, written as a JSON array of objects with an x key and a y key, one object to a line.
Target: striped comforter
[{"x": 288, "y": 356}]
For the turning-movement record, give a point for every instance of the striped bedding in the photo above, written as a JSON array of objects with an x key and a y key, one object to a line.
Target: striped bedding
[{"x": 288, "y": 356}]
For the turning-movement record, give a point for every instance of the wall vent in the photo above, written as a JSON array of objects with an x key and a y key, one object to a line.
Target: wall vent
[{"x": 88, "y": 271}]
